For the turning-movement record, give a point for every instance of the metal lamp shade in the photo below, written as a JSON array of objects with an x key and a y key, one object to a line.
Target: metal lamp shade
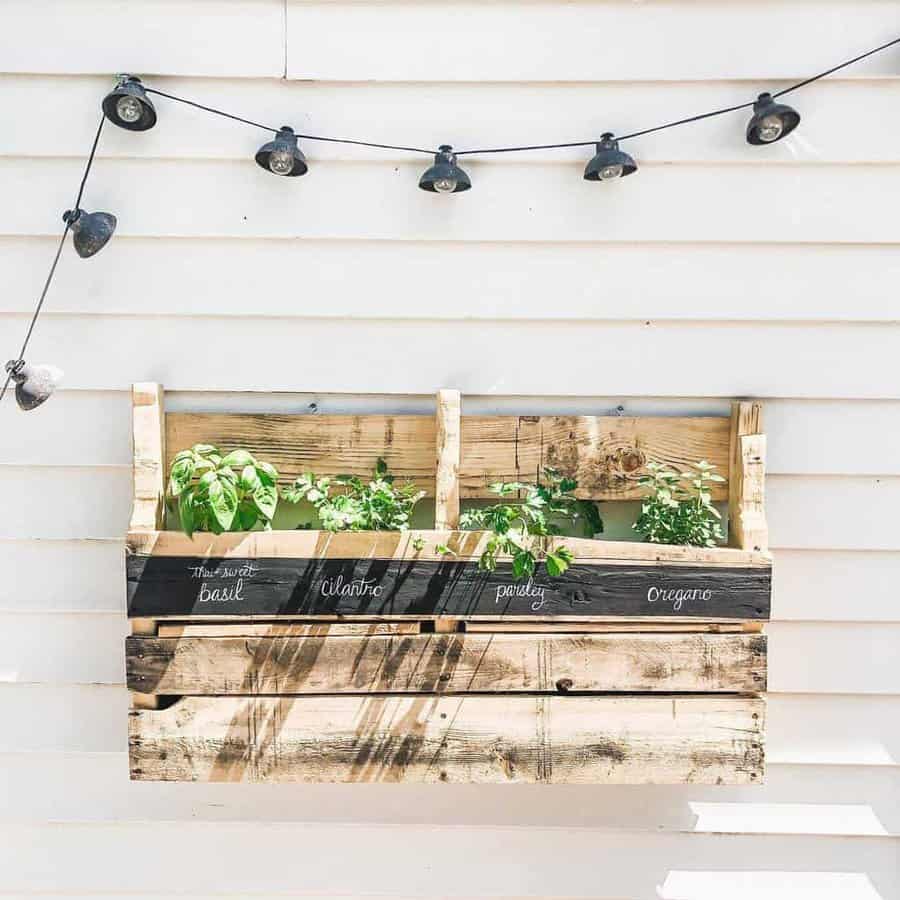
[
  {"x": 608, "y": 156},
  {"x": 765, "y": 109},
  {"x": 282, "y": 156},
  {"x": 34, "y": 384},
  {"x": 445, "y": 176},
  {"x": 90, "y": 231},
  {"x": 129, "y": 107}
]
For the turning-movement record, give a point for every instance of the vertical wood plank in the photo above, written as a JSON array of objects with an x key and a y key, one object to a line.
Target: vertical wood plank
[
  {"x": 746, "y": 495},
  {"x": 446, "y": 504},
  {"x": 148, "y": 434}
]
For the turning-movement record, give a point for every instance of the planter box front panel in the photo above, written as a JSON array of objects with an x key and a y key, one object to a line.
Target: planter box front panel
[{"x": 177, "y": 586}]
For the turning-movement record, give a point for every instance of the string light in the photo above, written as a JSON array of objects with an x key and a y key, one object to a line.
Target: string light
[
  {"x": 282, "y": 156},
  {"x": 90, "y": 231},
  {"x": 771, "y": 121},
  {"x": 128, "y": 106},
  {"x": 609, "y": 162},
  {"x": 445, "y": 176}
]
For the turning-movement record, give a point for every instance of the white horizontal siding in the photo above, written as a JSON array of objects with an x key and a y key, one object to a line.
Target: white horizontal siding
[
  {"x": 93, "y": 787},
  {"x": 462, "y": 280},
  {"x": 230, "y": 37},
  {"x": 508, "y": 862},
  {"x": 824, "y": 361},
  {"x": 582, "y": 41},
  {"x": 517, "y": 200}
]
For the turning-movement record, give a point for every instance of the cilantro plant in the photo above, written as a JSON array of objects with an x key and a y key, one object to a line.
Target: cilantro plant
[
  {"x": 521, "y": 528},
  {"x": 679, "y": 508},
  {"x": 222, "y": 493},
  {"x": 376, "y": 505}
]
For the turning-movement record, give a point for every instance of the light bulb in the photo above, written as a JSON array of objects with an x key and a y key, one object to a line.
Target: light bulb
[
  {"x": 607, "y": 173},
  {"x": 445, "y": 185},
  {"x": 281, "y": 162},
  {"x": 770, "y": 129},
  {"x": 129, "y": 109}
]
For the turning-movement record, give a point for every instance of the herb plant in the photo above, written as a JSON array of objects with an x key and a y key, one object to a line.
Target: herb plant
[
  {"x": 222, "y": 493},
  {"x": 521, "y": 529},
  {"x": 376, "y": 505},
  {"x": 679, "y": 508}
]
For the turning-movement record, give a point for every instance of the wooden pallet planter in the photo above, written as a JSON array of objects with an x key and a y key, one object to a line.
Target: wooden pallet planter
[{"x": 310, "y": 656}]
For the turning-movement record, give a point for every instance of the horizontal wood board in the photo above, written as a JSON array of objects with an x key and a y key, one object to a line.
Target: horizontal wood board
[
  {"x": 527, "y": 739},
  {"x": 447, "y": 663},
  {"x": 203, "y": 586},
  {"x": 606, "y": 454}
]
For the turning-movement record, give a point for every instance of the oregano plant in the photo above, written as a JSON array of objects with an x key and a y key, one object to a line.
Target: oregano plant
[
  {"x": 220, "y": 493},
  {"x": 375, "y": 505},
  {"x": 521, "y": 527},
  {"x": 679, "y": 507}
]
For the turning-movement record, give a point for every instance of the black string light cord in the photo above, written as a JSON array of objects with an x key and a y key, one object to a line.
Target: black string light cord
[
  {"x": 62, "y": 242},
  {"x": 519, "y": 149}
]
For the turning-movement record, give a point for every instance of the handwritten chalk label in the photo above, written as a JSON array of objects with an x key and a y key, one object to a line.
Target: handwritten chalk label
[
  {"x": 678, "y": 596},
  {"x": 534, "y": 592},
  {"x": 227, "y": 593},
  {"x": 355, "y": 587}
]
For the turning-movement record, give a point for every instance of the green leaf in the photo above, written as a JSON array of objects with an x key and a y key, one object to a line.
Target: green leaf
[
  {"x": 223, "y": 502},
  {"x": 249, "y": 479},
  {"x": 205, "y": 450},
  {"x": 186, "y": 512},
  {"x": 180, "y": 475},
  {"x": 523, "y": 564},
  {"x": 238, "y": 459},
  {"x": 248, "y": 516},
  {"x": 267, "y": 472},
  {"x": 266, "y": 499}
]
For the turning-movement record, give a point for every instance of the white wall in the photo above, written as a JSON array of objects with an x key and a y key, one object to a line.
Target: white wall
[{"x": 719, "y": 270}]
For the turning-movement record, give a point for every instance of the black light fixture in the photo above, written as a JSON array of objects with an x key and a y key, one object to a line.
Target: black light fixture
[
  {"x": 34, "y": 384},
  {"x": 90, "y": 231},
  {"x": 445, "y": 176},
  {"x": 282, "y": 155},
  {"x": 128, "y": 106},
  {"x": 609, "y": 161},
  {"x": 771, "y": 121}
]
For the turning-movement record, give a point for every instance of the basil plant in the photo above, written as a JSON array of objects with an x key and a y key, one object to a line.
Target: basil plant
[{"x": 220, "y": 493}]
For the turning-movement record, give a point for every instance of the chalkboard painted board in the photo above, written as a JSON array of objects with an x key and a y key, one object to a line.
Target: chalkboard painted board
[{"x": 192, "y": 586}]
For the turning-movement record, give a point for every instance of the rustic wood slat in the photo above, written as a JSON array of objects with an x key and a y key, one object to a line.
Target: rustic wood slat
[
  {"x": 400, "y": 545},
  {"x": 505, "y": 626},
  {"x": 605, "y": 454},
  {"x": 168, "y": 629},
  {"x": 624, "y": 740},
  {"x": 447, "y": 663},
  {"x": 149, "y": 445},
  {"x": 746, "y": 489},
  {"x": 446, "y": 496},
  {"x": 197, "y": 586}
]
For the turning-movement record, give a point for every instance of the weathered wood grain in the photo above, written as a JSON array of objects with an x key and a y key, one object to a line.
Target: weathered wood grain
[
  {"x": 746, "y": 489},
  {"x": 587, "y": 740},
  {"x": 605, "y": 454},
  {"x": 402, "y": 545},
  {"x": 197, "y": 586},
  {"x": 149, "y": 452},
  {"x": 446, "y": 493},
  {"x": 447, "y": 663},
  {"x": 245, "y": 628}
]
